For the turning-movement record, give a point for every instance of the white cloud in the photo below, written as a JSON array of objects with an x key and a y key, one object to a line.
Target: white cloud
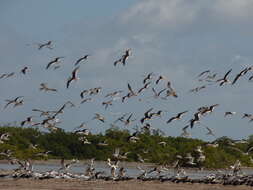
[
  {"x": 162, "y": 12},
  {"x": 174, "y": 13}
]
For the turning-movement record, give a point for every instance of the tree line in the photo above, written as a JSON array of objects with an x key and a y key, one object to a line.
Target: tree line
[{"x": 26, "y": 143}]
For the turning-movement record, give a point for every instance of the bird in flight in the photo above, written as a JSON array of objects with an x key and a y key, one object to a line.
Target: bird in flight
[
  {"x": 73, "y": 77},
  {"x": 177, "y": 117},
  {"x": 44, "y": 87},
  {"x": 24, "y": 70},
  {"x": 124, "y": 58},
  {"x": 224, "y": 80},
  {"x": 17, "y": 101},
  {"x": 243, "y": 72},
  {"x": 54, "y": 62},
  {"x": 228, "y": 113},
  {"x": 82, "y": 59},
  {"x": 47, "y": 45}
]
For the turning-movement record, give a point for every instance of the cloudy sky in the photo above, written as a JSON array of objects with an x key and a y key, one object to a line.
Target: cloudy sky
[{"x": 175, "y": 38}]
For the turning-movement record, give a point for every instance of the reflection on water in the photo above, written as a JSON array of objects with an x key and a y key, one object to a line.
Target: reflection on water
[{"x": 131, "y": 171}]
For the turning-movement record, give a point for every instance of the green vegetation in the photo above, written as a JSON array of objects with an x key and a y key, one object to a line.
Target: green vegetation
[{"x": 67, "y": 145}]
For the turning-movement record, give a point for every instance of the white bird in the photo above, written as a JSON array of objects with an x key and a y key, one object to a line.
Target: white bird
[
  {"x": 113, "y": 167},
  {"x": 66, "y": 167},
  {"x": 4, "y": 137}
]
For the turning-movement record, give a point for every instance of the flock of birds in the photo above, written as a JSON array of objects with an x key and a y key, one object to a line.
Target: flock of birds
[{"x": 161, "y": 88}]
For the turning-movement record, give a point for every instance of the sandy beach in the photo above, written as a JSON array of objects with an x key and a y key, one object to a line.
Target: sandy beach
[{"x": 62, "y": 184}]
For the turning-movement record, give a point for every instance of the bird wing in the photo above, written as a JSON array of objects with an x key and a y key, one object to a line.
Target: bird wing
[
  {"x": 74, "y": 72},
  {"x": 129, "y": 117},
  {"x": 156, "y": 94},
  {"x": 171, "y": 119},
  {"x": 225, "y": 76},
  {"x": 146, "y": 114},
  {"x": 204, "y": 72},
  {"x": 159, "y": 93},
  {"x": 68, "y": 82},
  {"x": 236, "y": 78},
  {"x": 79, "y": 60},
  {"x": 130, "y": 88},
  {"x": 181, "y": 113},
  {"x": 50, "y": 63}
]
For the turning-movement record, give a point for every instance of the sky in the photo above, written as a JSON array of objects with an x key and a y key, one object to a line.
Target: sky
[{"x": 175, "y": 38}]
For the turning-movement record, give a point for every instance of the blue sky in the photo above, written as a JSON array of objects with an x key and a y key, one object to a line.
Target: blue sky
[{"x": 175, "y": 38}]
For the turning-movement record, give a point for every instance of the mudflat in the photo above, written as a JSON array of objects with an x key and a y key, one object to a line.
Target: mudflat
[{"x": 77, "y": 184}]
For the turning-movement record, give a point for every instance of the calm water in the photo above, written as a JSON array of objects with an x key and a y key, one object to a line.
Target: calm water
[{"x": 131, "y": 170}]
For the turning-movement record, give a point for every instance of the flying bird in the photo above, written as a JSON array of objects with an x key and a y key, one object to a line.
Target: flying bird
[
  {"x": 54, "y": 62},
  {"x": 159, "y": 79},
  {"x": 124, "y": 58},
  {"x": 73, "y": 77},
  {"x": 47, "y": 45},
  {"x": 148, "y": 77},
  {"x": 15, "y": 101},
  {"x": 243, "y": 72},
  {"x": 157, "y": 94},
  {"x": 224, "y": 80},
  {"x": 203, "y": 73},
  {"x": 27, "y": 121},
  {"x": 44, "y": 87},
  {"x": 177, "y": 117},
  {"x": 228, "y": 113},
  {"x": 99, "y": 117},
  {"x": 81, "y": 59},
  {"x": 24, "y": 70}
]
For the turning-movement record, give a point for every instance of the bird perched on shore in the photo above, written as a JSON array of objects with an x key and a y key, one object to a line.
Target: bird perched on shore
[{"x": 113, "y": 167}]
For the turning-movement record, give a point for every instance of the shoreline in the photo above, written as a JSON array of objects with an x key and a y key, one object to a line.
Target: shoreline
[
  {"x": 123, "y": 163},
  {"x": 76, "y": 184}
]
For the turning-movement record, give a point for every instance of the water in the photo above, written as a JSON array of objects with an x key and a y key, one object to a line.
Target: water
[{"x": 130, "y": 169}]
